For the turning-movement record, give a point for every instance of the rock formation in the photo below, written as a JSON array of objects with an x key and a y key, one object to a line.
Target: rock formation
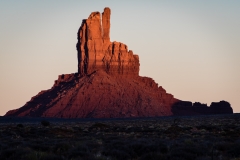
[
  {"x": 99, "y": 95},
  {"x": 108, "y": 84},
  {"x": 189, "y": 108},
  {"x": 96, "y": 52}
]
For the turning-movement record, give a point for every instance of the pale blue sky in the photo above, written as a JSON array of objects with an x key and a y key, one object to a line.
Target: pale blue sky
[{"x": 191, "y": 48}]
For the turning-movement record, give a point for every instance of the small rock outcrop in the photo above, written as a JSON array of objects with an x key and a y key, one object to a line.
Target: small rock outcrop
[
  {"x": 197, "y": 108},
  {"x": 108, "y": 84}
]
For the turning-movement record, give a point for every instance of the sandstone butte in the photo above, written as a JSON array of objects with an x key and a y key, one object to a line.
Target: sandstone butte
[{"x": 108, "y": 84}]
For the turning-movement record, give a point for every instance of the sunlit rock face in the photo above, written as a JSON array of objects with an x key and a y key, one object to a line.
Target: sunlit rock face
[
  {"x": 108, "y": 84},
  {"x": 97, "y": 52}
]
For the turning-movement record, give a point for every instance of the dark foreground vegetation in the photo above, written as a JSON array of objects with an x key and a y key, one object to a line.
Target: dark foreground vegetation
[{"x": 171, "y": 138}]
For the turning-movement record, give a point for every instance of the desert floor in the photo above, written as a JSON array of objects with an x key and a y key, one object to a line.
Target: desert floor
[{"x": 200, "y": 137}]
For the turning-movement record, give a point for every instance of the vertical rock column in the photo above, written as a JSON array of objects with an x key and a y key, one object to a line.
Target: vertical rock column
[
  {"x": 106, "y": 39},
  {"x": 106, "y": 26},
  {"x": 93, "y": 41},
  {"x": 96, "y": 52}
]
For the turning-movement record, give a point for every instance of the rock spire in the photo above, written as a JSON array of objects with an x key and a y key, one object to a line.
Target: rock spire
[{"x": 96, "y": 52}]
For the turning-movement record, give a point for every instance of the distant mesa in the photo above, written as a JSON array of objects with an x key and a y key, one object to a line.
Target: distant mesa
[
  {"x": 189, "y": 108},
  {"x": 108, "y": 84}
]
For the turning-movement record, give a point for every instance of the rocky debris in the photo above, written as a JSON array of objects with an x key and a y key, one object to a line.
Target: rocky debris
[
  {"x": 45, "y": 123},
  {"x": 108, "y": 84}
]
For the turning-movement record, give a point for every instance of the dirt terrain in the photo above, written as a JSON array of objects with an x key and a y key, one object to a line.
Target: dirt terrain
[{"x": 199, "y": 137}]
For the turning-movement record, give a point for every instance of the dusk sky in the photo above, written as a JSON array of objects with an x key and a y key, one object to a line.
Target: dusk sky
[{"x": 190, "y": 48}]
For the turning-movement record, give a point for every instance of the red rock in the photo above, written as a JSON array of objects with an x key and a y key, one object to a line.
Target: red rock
[
  {"x": 99, "y": 95},
  {"x": 106, "y": 25},
  {"x": 108, "y": 84},
  {"x": 96, "y": 52}
]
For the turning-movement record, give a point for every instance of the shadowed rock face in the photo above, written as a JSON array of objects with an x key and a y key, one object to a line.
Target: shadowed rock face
[
  {"x": 108, "y": 84},
  {"x": 187, "y": 108}
]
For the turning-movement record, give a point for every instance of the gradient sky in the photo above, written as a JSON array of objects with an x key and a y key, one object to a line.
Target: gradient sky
[{"x": 191, "y": 48}]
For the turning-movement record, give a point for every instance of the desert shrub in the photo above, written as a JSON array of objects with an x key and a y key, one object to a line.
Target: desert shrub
[
  {"x": 207, "y": 127},
  {"x": 61, "y": 147},
  {"x": 179, "y": 153},
  {"x": 204, "y": 158},
  {"x": 188, "y": 151},
  {"x": 35, "y": 155},
  {"x": 176, "y": 121},
  {"x": 99, "y": 126},
  {"x": 187, "y": 128},
  {"x": 196, "y": 150},
  {"x": 20, "y": 125},
  {"x": 45, "y": 123},
  {"x": 134, "y": 149},
  {"x": 117, "y": 149},
  {"x": 40, "y": 147},
  {"x": 80, "y": 152},
  {"x": 232, "y": 134},
  {"x": 153, "y": 156},
  {"x": 174, "y": 129},
  {"x": 210, "y": 138},
  {"x": 138, "y": 148},
  {"x": 158, "y": 147},
  {"x": 117, "y": 154},
  {"x": 13, "y": 153},
  {"x": 110, "y": 138},
  {"x": 31, "y": 132},
  {"x": 94, "y": 145},
  {"x": 77, "y": 129},
  {"x": 222, "y": 146},
  {"x": 234, "y": 150},
  {"x": 13, "y": 144},
  {"x": 50, "y": 156},
  {"x": 7, "y": 153},
  {"x": 142, "y": 147}
]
